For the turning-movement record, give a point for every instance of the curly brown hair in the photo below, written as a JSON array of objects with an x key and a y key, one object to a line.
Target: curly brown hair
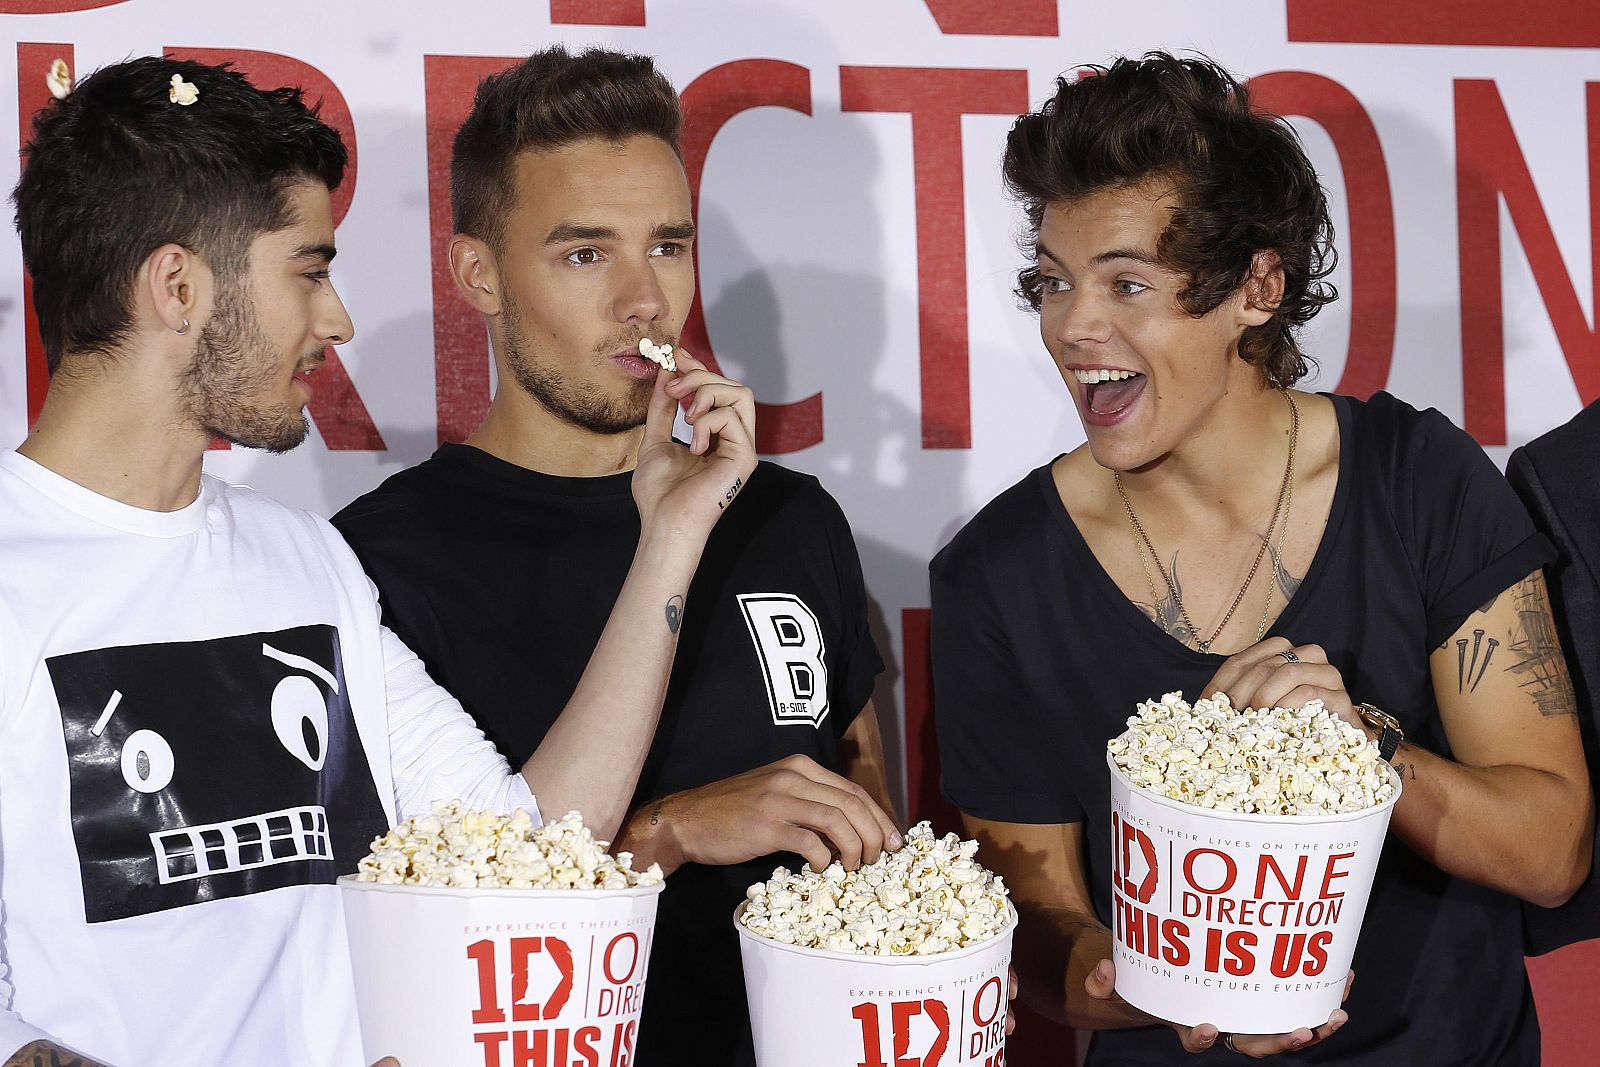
[{"x": 1242, "y": 183}]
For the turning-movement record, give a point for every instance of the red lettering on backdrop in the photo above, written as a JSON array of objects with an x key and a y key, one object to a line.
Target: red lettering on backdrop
[
  {"x": 936, "y": 99},
  {"x": 709, "y": 102},
  {"x": 33, "y": 60},
  {"x": 460, "y": 347},
  {"x": 336, "y": 408},
  {"x": 597, "y": 12},
  {"x": 1490, "y": 167},
  {"x": 1534, "y": 24},
  {"x": 52, "y": 7},
  {"x": 1369, "y": 248},
  {"x": 1019, "y": 18}
]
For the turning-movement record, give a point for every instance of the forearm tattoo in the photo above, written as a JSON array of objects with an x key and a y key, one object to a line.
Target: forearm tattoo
[
  {"x": 1535, "y": 650},
  {"x": 675, "y": 613},
  {"x": 44, "y": 1054},
  {"x": 733, "y": 491}
]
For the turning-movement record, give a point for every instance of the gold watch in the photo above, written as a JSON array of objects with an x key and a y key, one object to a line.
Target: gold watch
[{"x": 1389, "y": 732}]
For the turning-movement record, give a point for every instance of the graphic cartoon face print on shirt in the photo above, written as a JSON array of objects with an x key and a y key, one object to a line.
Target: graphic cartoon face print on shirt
[{"x": 209, "y": 769}]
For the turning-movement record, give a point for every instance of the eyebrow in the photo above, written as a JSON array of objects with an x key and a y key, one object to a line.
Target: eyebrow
[
  {"x": 326, "y": 252},
  {"x": 1137, "y": 255},
  {"x": 682, "y": 230}
]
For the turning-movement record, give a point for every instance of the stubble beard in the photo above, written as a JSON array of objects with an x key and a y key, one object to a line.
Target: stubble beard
[
  {"x": 233, "y": 363},
  {"x": 582, "y": 405}
]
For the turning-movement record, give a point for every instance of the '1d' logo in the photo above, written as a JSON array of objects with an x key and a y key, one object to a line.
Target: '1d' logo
[{"x": 789, "y": 644}]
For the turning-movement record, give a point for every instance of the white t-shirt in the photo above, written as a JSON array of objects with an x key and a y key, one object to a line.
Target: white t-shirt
[{"x": 202, "y": 723}]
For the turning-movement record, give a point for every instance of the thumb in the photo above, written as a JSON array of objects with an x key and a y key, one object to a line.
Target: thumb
[
  {"x": 661, "y": 413},
  {"x": 1101, "y": 982}
]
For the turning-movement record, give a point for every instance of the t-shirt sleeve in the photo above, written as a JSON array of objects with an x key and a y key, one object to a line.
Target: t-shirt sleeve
[
  {"x": 1472, "y": 538},
  {"x": 993, "y": 761},
  {"x": 437, "y": 751},
  {"x": 857, "y": 663}
]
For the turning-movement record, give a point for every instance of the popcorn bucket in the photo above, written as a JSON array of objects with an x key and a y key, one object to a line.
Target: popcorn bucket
[
  {"x": 499, "y": 976},
  {"x": 1247, "y": 922},
  {"x": 810, "y": 1007}
]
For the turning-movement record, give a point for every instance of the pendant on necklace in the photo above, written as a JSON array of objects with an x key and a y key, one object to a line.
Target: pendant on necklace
[{"x": 1205, "y": 647}]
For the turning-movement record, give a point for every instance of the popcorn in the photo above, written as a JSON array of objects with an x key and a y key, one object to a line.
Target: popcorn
[
  {"x": 482, "y": 849},
  {"x": 658, "y": 354},
  {"x": 181, "y": 92},
  {"x": 928, "y": 896},
  {"x": 1259, "y": 761},
  {"x": 59, "y": 80}
]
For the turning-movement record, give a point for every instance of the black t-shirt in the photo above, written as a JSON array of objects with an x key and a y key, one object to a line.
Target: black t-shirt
[
  {"x": 1039, "y": 659},
  {"x": 501, "y": 579}
]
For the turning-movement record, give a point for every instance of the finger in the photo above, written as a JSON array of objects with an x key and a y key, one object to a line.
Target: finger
[
  {"x": 1101, "y": 981},
  {"x": 1331, "y": 1027},
  {"x": 687, "y": 381},
  {"x": 712, "y": 395},
  {"x": 805, "y": 844},
  {"x": 819, "y": 775},
  {"x": 1292, "y": 677},
  {"x": 1259, "y": 1045},
  {"x": 744, "y": 405},
  {"x": 1011, "y": 1022},
  {"x": 1198, "y": 1038},
  {"x": 866, "y": 820},
  {"x": 1311, "y": 653},
  {"x": 1335, "y": 700},
  {"x": 715, "y": 427},
  {"x": 833, "y": 824},
  {"x": 1011, "y": 983},
  {"x": 1240, "y": 663},
  {"x": 661, "y": 413},
  {"x": 1349, "y": 980}
]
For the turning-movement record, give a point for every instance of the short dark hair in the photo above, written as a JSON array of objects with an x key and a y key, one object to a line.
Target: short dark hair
[
  {"x": 117, "y": 169},
  {"x": 1242, "y": 183},
  {"x": 549, "y": 100}
]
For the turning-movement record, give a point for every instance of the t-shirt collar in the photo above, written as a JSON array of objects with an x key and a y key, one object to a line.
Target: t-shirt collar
[{"x": 103, "y": 509}]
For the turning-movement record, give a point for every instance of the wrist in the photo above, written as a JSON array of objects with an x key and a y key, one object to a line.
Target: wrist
[{"x": 648, "y": 835}]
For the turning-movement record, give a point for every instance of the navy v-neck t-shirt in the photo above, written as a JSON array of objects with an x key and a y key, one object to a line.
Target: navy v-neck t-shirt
[{"x": 1039, "y": 659}]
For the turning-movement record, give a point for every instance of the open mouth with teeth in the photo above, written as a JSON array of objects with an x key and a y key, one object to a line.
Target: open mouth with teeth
[{"x": 1109, "y": 392}]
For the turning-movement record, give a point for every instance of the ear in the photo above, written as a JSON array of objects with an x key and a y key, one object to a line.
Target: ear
[
  {"x": 1263, "y": 289},
  {"x": 176, "y": 282},
  {"x": 476, "y": 273}
]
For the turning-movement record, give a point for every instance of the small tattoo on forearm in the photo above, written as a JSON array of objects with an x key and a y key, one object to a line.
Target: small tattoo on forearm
[
  {"x": 675, "y": 613},
  {"x": 655, "y": 814},
  {"x": 1406, "y": 771},
  {"x": 733, "y": 491}
]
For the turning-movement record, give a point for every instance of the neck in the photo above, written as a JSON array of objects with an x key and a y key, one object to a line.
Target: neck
[
  {"x": 117, "y": 433},
  {"x": 520, "y": 430},
  {"x": 1225, "y": 468}
]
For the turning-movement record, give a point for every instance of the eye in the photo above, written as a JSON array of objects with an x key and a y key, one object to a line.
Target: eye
[
  {"x": 668, "y": 249},
  {"x": 1128, "y": 287},
  {"x": 147, "y": 762},
  {"x": 300, "y": 719},
  {"x": 583, "y": 257},
  {"x": 1051, "y": 284}
]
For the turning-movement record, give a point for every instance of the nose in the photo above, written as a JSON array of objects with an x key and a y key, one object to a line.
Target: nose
[
  {"x": 333, "y": 322},
  {"x": 638, "y": 295},
  {"x": 1083, "y": 320}
]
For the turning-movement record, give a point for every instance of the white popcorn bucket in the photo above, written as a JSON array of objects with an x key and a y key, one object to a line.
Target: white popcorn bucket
[
  {"x": 810, "y": 1007},
  {"x": 499, "y": 976},
  {"x": 1247, "y": 922}
]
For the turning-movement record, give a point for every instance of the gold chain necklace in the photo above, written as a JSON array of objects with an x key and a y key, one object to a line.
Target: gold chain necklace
[{"x": 1280, "y": 522}]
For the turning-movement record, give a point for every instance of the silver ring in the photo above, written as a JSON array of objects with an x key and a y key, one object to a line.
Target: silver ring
[
  {"x": 1289, "y": 656},
  {"x": 1227, "y": 1039}
]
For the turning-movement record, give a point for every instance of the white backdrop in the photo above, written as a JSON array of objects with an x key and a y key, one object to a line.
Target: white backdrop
[{"x": 814, "y": 264}]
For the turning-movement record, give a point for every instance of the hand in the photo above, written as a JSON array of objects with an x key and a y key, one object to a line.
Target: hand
[
  {"x": 1101, "y": 985},
  {"x": 1260, "y": 677},
  {"x": 1011, "y": 995},
  {"x": 793, "y": 805},
  {"x": 688, "y": 488}
]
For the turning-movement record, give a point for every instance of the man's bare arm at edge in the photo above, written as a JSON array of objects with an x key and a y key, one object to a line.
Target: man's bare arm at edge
[{"x": 45, "y": 1054}]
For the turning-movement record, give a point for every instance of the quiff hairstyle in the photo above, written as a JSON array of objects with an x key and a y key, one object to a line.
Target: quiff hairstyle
[
  {"x": 117, "y": 169},
  {"x": 550, "y": 100},
  {"x": 1241, "y": 180}
]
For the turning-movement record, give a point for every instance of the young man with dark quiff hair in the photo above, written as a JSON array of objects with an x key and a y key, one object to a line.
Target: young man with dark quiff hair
[
  {"x": 203, "y": 720},
  {"x": 574, "y": 241}
]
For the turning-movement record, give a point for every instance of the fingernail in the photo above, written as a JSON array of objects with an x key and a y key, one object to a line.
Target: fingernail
[
  {"x": 895, "y": 840},
  {"x": 1209, "y": 1039},
  {"x": 1337, "y": 1019}
]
